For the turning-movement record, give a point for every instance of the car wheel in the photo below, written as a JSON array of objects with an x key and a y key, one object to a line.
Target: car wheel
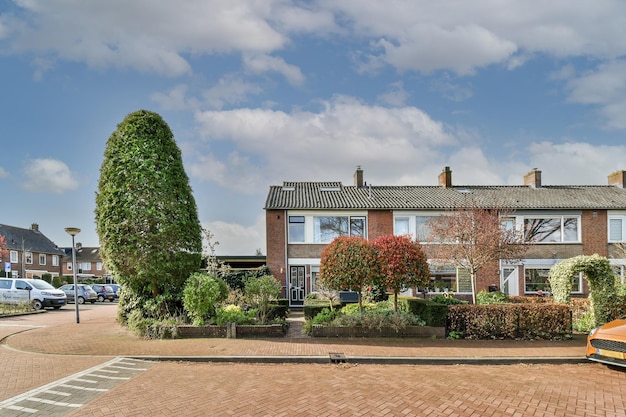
[
  {"x": 101, "y": 298},
  {"x": 81, "y": 300},
  {"x": 37, "y": 305}
]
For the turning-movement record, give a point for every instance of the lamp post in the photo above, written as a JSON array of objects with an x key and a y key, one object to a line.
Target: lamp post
[{"x": 74, "y": 231}]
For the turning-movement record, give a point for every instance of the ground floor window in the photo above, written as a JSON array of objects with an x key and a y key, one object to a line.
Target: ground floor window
[
  {"x": 537, "y": 280},
  {"x": 449, "y": 279}
]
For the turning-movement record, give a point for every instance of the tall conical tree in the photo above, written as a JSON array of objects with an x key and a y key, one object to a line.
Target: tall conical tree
[{"x": 146, "y": 215}]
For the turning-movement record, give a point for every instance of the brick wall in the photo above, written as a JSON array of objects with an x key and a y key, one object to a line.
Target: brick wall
[
  {"x": 275, "y": 222},
  {"x": 379, "y": 223},
  {"x": 594, "y": 232}
]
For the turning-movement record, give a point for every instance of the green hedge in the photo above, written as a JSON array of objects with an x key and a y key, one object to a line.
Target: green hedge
[
  {"x": 511, "y": 321},
  {"x": 434, "y": 314},
  {"x": 311, "y": 309}
]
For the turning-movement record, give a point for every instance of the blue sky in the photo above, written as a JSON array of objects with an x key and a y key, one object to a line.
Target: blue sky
[{"x": 261, "y": 92}]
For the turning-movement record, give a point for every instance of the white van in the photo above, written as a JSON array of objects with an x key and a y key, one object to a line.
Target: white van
[{"x": 35, "y": 291}]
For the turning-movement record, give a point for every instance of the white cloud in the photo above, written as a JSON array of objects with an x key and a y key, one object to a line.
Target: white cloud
[
  {"x": 142, "y": 34},
  {"x": 3, "y": 173},
  {"x": 48, "y": 176},
  {"x": 606, "y": 87},
  {"x": 395, "y": 96},
  {"x": 324, "y": 145},
  {"x": 576, "y": 162},
  {"x": 229, "y": 90},
  {"x": 237, "y": 239},
  {"x": 264, "y": 63}
]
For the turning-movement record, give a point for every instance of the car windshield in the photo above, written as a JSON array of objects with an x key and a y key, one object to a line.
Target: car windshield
[{"x": 40, "y": 284}]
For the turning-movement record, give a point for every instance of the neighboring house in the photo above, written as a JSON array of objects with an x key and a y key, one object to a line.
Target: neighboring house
[
  {"x": 28, "y": 253},
  {"x": 568, "y": 220},
  {"x": 88, "y": 263}
]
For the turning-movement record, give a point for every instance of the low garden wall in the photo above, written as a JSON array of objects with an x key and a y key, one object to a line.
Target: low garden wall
[
  {"x": 319, "y": 330},
  {"x": 233, "y": 331}
]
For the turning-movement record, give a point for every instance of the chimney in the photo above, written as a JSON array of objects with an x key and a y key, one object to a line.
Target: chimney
[
  {"x": 34, "y": 227},
  {"x": 533, "y": 178},
  {"x": 445, "y": 178},
  {"x": 358, "y": 176},
  {"x": 618, "y": 178}
]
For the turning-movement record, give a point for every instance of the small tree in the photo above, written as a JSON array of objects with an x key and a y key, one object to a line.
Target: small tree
[
  {"x": 402, "y": 262},
  {"x": 470, "y": 238},
  {"x": 261, "y": 292},
  {"x": 201, "y": 294},
  {"x": 349, "y": 263}
]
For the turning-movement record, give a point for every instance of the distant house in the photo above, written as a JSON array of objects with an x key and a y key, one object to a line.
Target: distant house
[
  {"x": 28, "y": 253},
  {"x": 88, "y": 266},
  {"x": 565, "y": 221}
]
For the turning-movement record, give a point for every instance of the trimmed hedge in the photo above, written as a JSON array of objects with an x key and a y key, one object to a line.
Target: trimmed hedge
[
  {"x": 511, "y": 321},
  {"x": 311, "y": 309},
  {"x": 434, "y": 314}
]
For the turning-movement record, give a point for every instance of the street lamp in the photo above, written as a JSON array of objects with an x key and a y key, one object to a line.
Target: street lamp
[{"x": 74, "y": 231}]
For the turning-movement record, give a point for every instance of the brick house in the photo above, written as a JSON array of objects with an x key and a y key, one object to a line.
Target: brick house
[
  {"x": 568, "y": 220},
  {"x": 88, "y": 262},
  {"x": 28, "y": 253}
]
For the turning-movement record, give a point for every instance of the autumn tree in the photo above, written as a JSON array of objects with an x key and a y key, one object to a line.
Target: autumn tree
[
  {"x": 349, "y": 263},
  {"x": 471, "y": 238},
  {"x": 402, "y": 263},
  {"x": 146, "y": 215}
]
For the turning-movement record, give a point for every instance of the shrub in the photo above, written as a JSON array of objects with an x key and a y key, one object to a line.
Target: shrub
[
  {"x": 261, "y": 292},
  {"x": 234, "y": 314},
  {"x": 493, "y": 297},
  {"x": 440, "y": 299},
  {"x": 201, "y": 294},
  {"x": 434, "y": 314}
]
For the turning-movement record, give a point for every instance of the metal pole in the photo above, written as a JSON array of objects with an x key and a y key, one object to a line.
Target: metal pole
[
  {"x": 73, "y": 231},
  {"x": 75, "y": 280}
]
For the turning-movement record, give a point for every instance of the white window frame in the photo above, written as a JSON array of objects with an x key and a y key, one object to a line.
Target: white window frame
[
  {"x": 411, "y": 217},
  {"x": 522, "y": 221},
  {"x": 527, "y": 266},
  {"x": 28, "y": 258},
  {"x": 69, "y": 266},
  {"x": 98, "y": 266},
  {"x": 309, "y": 223},
  {"x": 616, "y": 215},
  {"x": 14, "y": 257},
  {"x": 300, "y": 225},
  {"x": 42, "y": 257},
  {"x": 55, "y": 260},
  {"x": 84, "y": 266}
]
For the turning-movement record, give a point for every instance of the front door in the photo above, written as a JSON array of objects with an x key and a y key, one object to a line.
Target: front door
[
  {"x": 509, "y": 282},
  {"x": 296, "y": 285}
]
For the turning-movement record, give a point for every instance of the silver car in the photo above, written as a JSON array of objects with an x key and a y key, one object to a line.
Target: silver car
[{"x": 85, "y": 293}]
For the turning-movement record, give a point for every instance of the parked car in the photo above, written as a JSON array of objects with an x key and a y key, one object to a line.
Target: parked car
[
  {"x": 85, "y": 293},
  {"x": 116, "y": 289},
  {"x": 105, "y": 292},
  {"x": 607, "y": 343},
  {"x": 36, "y": 291}
]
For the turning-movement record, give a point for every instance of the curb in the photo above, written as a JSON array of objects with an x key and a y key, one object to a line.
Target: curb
[{"x": 335, "y": 358}]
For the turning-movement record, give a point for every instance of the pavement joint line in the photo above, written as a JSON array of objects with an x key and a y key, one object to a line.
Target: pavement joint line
[
  {"x": 59, "y": 382},
  {"x": 51, "y": 402},
  {"x": 60, "y": 393},
  {"x": 78, "y": 387},
  {"x": 22, "y": 409},
  {"x": 118, "y": 378},
  {"x": 89, "y": 381}
]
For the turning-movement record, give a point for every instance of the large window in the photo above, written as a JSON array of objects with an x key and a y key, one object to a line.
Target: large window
[
  {"x": 415, "y": 226},
  {"x": 538, "y": 280},
  {"x": 327, "y": 228},
  {"x": 449, "y": 279},
  {"x": 296, "y": 229},
  {"x": 14, "y": 257},
  {"x": 55, "y": 260},
  {"x": 556, "y": 229},
  {"x": 42, "y": 259}
]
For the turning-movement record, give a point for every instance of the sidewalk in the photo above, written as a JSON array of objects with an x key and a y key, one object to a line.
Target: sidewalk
[{"x": 98, "y": 334}]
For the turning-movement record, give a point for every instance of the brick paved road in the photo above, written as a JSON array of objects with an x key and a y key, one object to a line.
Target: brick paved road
[
  {"x": 201, "y": 389},
  {"x": 218, "y": 389}
]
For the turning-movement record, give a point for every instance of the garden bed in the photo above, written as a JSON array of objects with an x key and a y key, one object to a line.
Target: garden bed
[{"x": 319, "y": 330}]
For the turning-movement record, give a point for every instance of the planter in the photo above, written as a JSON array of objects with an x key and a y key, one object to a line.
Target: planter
[
  {"x": 212, "y": 331},
  {"x": 319, "y": 330}
]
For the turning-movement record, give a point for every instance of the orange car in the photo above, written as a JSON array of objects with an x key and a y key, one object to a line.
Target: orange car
[{"x": 607, "y": 343}]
